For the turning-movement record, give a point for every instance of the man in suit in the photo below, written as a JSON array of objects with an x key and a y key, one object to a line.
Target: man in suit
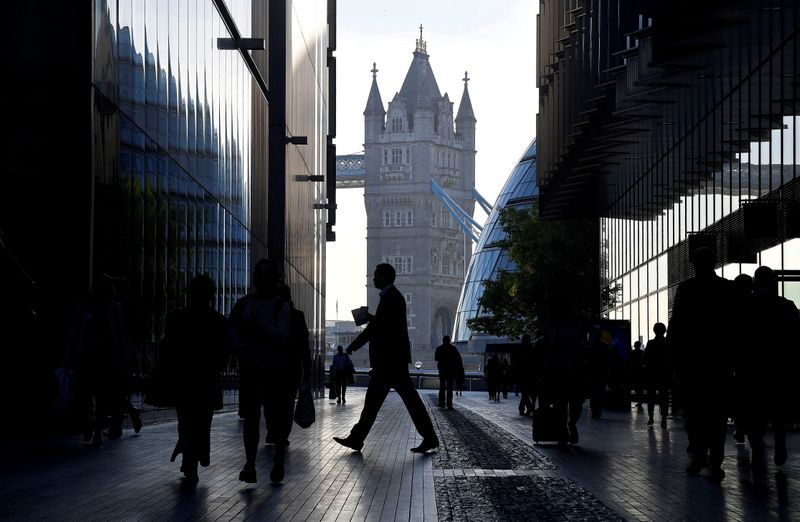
[{"x": 390, "y": 355}]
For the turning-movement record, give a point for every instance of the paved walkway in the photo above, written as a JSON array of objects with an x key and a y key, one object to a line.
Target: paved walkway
[{"x": 487, "y": 469}]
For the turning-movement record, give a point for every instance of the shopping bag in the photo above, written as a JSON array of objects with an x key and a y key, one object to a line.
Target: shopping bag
[{"x": 304, "y": 414}]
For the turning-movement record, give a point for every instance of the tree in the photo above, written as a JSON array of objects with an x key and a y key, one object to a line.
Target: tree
[{"x": 557, "y": 261}]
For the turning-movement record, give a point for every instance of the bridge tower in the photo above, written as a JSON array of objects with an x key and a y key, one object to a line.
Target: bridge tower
[{"x": 405, "y": 146}]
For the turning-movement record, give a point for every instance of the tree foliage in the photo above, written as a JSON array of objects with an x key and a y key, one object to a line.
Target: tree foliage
[{"x": 556, "y": 265}]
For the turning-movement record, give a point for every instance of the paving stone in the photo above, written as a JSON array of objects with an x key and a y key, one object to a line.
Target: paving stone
[{"x": 468, "y": 440}]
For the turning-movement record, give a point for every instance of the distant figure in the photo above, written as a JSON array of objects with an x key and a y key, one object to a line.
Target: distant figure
[
  {"x": 196, "y": 342},
  {"x": 636, "y": 361},
  {"x": 493, "y": 372},
  {"x": 700, "y": 332},
  {"x": 132, "y": 320},
  {"x": 566, "y": 336},
  {"x": 299, "y": 363},
  {"x": 98, "y": 354},
  {"x": 505, "y": 378},
  {"x": 598, "y": 359},
  {"x": 658, "y": 374},
  {"x": 342, "y": 371},
  {"x": 389, "y": 355},
  {"x": 525, "y": 374},
  {"x": 446, "y": 357},
  {"x": 770, "y": 370},
  {"x": 461, "y": 375},
  {"x": 743, "y": 289},
  {"x": 262, "y": 325}
]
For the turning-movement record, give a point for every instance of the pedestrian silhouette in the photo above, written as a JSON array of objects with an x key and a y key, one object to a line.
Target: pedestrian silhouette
[
  {"x": 389, "y": 355},
  {"x": 566, "y": 336},
  {"x": 525, "y": 375},
  {"x": 771, "y": 370},
  {"x": 195, "y": 348},
  {"x": 446, "y": 356},
  {"x": 342, "y": 370},
  {"x": 460, "y": 374},
  {"x": 506, "y": 377},
  {"x": 700, "y": 334},
  {"x": 493, "y": 373},
  {"x": 598, "y": 360},
  {"x": 743, "y": 289},
  {"x": 658, "y": 374},
  {"x": 299, "y": 364},
  {"x": 131, "y": 318},
  {"x": 636, "y": 364},
  {"x": 97, "y": 354},
  {"x": 261, "y": 323}
]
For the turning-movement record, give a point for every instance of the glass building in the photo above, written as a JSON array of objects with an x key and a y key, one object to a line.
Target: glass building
[
  {"x": 520, "y": 191},
  {"x": 677, "y": 126},
  {"x": 143, "y": 138}
]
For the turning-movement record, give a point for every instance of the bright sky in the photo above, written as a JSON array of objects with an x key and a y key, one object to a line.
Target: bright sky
[{"x": 494, "y": 41}]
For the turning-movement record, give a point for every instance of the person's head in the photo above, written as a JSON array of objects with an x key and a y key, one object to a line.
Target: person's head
[
  {"x": 266, "y": 276},
  {"x": 446, "y": 339},
  {"x": 764, "y": 279},
  {"x": 340, "y": 349},
  {"x": 384, "y": 275},
  {"x": 743, "y": 284},
  {"x": 659, "y": 329},
  {"x": 201, "y": 290},
  {"x": 703, "y": 260},
  {"x": 526, "y": 339},
  {"x": 637, "y": 345}
]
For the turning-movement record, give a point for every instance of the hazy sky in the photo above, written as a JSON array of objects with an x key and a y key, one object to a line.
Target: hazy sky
[{"x": 493, "y": 40}]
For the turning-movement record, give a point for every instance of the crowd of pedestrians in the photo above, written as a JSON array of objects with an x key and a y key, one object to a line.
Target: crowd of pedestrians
[{"x": 725, "y": 354}]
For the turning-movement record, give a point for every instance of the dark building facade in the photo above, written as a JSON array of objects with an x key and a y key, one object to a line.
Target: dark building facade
[
  {"x": 156, "y": 144},
  {"x": 676, "y": 125}
]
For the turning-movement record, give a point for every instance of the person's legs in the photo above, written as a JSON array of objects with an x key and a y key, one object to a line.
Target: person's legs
[
  {"x": 377, "y": 390},
  {"x": 343, "y": 390},
  {"x": 250, "y": 406},
  {"x": 442, "y": 390},
  {"x": 449, "y": 389},
  {"x": 419, "y": 415},
  {"x": 279, "y": 410}
]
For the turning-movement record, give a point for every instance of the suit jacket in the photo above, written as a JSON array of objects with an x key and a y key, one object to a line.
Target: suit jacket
[{"x": 387, "y": 334}]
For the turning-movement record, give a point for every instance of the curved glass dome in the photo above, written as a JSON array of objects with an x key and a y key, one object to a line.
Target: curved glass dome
[{"x": 519, "y": 191}]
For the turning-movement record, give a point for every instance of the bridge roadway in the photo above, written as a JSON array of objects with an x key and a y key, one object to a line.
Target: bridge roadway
[{"x": 486, "y": 469}]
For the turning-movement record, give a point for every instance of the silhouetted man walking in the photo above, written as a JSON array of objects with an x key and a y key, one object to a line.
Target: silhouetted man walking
[
  {"x": 389, "y": 355},
  {"x": 446, "y": 356},
  {"x": 699, "y": 334}
]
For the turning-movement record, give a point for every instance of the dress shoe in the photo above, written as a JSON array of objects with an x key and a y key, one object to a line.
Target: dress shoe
[
  {"x": 426, "y": 446},
  {"x": 650, "y": 421},
  {"x": 248, "y": 474},
  {"x": 349, "y": 442}
]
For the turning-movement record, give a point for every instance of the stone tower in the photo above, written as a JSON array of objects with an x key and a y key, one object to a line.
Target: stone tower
[{"x": 407, "y": 226}]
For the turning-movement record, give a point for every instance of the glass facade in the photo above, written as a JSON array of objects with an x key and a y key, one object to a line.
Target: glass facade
[
  {"x": 180, "y": 152},
  {"x": 676, "y": 133},
  {"x": 172, "y": 126},
  {"x": 519, "y": 191}
]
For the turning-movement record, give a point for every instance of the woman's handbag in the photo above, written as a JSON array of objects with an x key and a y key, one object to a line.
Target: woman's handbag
[{"x": 304, "y": 414}]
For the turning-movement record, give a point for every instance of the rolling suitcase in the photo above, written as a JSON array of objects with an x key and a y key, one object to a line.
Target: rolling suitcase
[{"x": 547, "y": 425}]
